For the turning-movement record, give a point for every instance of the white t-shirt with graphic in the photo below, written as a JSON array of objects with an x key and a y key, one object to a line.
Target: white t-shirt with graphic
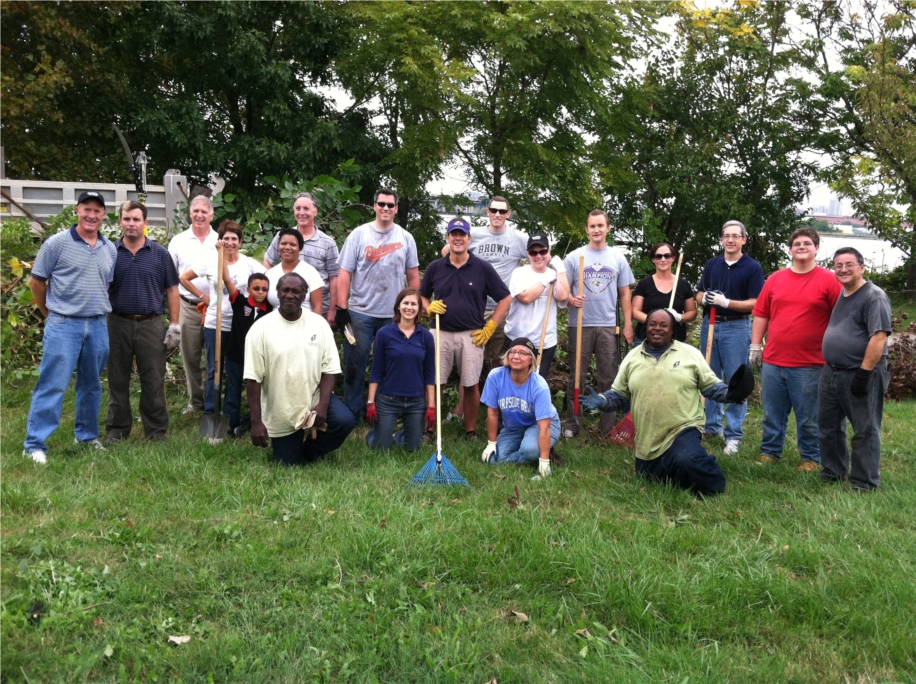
[
  {"x": 527, "y": 320},
  {"x": 606, "y": 270}
]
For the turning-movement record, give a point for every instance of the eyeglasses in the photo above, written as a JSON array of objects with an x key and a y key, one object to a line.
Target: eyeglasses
[
  {"x": 847, "y": 266},
  {"x": 538, "y": 252},
  {"x": 737, "y": 236},
  {"x": 803, "y": 244},
  {"x": 258, "y": 289},
  {"x": 501, "y": 212},
  {"x": 386, "y": 205},
  {"x": 518, "y": 353},
  {"x": 667, "y": 255}
]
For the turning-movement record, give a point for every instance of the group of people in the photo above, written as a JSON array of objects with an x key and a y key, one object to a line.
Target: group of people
[{"x": 495, "y": 323}]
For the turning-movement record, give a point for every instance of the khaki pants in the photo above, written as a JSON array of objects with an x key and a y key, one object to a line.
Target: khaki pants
[
  {"x": 602, "y": 344},
  {"x": 192, "y": 348}
]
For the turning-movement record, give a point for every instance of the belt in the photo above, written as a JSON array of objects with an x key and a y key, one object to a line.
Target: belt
[
  {"x": 189, "y": 300},
  {"x": 736, "y": 317},
  {"x": 838, "y": 368},
  {"x": 136, "y": 318}
]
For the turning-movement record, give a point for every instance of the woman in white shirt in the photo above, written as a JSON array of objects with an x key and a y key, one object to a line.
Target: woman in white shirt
[{"x": 289, "y": 245}]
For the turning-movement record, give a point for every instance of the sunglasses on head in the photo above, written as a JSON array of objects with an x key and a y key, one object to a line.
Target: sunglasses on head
[
  {"x": 538, "y": 252},
  {"x": 386, "y": 205},
  {"x": 666, "y": 255},
  {"x": 501, "y": 212}
]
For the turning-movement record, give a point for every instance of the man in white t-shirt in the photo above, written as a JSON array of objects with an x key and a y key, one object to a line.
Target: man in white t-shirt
[
  {"x": 375, "y": 260},
  {"x": 530, "y": 287},
  {"x": 607, "y": 277},
  {"x": 291, "y": 364},
  {"x": 188, "y": 249}
]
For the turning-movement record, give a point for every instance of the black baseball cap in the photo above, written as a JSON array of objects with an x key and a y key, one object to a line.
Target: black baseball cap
[
  {"x": 526, "y": 343},
  {"x": 91, "y": 195},
  {"x": 538, "y": 239}
]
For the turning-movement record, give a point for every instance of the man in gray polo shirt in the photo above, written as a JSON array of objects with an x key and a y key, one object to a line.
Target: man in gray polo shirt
[{"x": 69, "y": 283}]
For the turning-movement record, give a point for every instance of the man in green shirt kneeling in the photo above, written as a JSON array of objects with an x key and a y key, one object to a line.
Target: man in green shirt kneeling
[{"x": 663, "y": 380}]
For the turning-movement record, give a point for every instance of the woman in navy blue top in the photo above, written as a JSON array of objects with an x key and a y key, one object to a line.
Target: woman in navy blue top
[{"x": 402, "y": 379}]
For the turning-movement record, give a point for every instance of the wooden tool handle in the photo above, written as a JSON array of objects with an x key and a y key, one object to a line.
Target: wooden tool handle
[
  {"x": 544, "y": 327},
  {"x": 220, "y": 256},
  {"x": 677, "y": 274},
  {"x": 711, "y": 331}
]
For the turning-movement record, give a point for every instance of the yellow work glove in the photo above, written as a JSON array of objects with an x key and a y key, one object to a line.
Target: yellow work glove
[
  {"x": 482, "y": 336},
  {"x": 436, "y": 307}
]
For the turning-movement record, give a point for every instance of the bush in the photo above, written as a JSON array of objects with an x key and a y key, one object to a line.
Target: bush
[{"x": 21, "y": 324}]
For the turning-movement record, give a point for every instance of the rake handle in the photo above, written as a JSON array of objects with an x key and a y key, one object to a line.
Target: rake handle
[
  {"x": 544, "y": 328},
  {"x": 576, "y": 407},
  {"x": 438, "y": 395}
]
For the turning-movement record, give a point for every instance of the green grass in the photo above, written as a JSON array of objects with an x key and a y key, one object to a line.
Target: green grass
[{"x": 338, "y": 573}]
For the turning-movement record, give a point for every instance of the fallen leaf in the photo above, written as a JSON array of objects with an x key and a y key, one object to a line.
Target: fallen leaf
[
  {"x": 607, "y": 472},
  {"x": 493, "y": 681},
  {"x": 440, "y": 606},
  {"x": 785, "y": 548},
  {"x": 158, "y": 555},
  {"x": 521, "y": 616},
  {"x": 179, "y": 639},
  {"x": 455, "y": 501},
  {"x": 573, "y": 472},
  {"x": 584, "y": 633},
  {"x": 130, "y": 523},
  {"x": 570, "y": 580},
  {"x": 99, "y": 622},
  {"x": 517, "y": 495},
  {"x": 426, "y": 503},
  {"x": 329, "y": 511},
  {"x": 371, "y": 618},
  {"x": 383, "y": 523},
  {"x": 512, "y": 502},
  {"x": 499, "y": 477},
  {"x": 426, "y": 585}
]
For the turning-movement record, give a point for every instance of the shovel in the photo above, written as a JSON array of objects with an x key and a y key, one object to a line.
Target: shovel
[{"x": 215, "y": 426}]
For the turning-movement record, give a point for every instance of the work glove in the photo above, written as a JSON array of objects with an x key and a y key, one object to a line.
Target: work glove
[
  {"x": 740, "y": 385},
  {"x": 548, "y": 277},
  {"x": 756, "y": 356},
  {"x": 342, "y": 318},
  {"x": 430, "y": 417},
  {"x": 715, "y": 298},
  {"x": 371, "y": 414},
  {"x": 436, "y": 307},
  {"x": 482, "y": 336},
  {"x": 489, "y": 451},
  {"x": 557, "y": 265},
  {"x": 592, "y": 399},
  {"x": 544, "y": 467},
  {"x": 172, "y": 337},
  {"x": 678, "y": 317},
  {"x": 860, "y": 378}
]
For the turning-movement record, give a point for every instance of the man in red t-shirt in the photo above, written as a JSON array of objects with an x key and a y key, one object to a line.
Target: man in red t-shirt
[{"x": 793, "y": 311}]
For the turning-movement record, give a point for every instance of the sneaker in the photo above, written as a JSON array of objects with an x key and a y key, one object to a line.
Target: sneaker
[
  {"x": 38, "y": 456},
  {"x": 731, "y": 447},
  {"x": 569, "y": 434},
  {"x": 809, "y": 467},
  {"x": 768, "y": 460},
  {"x": 113, "y": 438},
  {"x": 92, "y": 444},
  {"x": 470, "y": 435},
  {"x": 188, "y": 410}
]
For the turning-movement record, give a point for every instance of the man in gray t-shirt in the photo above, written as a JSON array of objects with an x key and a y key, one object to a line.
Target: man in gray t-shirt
[
  {"x": 374, "y": 262},
  {"x": 855, "y": 378}
]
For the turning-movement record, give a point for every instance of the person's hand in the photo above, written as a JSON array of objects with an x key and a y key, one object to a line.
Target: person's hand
[
  {"x": 342, "y": 317},
  {"x": 860, "y": 378},
  {"x": 321, "y": 418},
  {"x": 557, "y": 265},
  {"x": 371, "y": 414},
  {"x": 430, "y": 417},
  {"x": 592, "y": 399},
  {"x": 756, "y": 356},
  {"x": 576, "y": 302},
  {"x": 202, "y": 307},
  {"x": 678, "y": 317},
  {"x": 259, "y": 434},
  {"x": 716, "y": 298},
  {"x": 482, "y": 336},
  {"x": 488, "y": 451},
  {"x": 436, "y": 307},
  {"x": 544, "y": 467},
  {"x": 172, "y": 337},
  {"x": 628, "y": 333}
]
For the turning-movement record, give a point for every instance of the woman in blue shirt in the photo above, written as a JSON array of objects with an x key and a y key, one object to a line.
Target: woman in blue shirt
[
  {"x": 521, "y": 397},
  {"x": 402, "y": 379}
]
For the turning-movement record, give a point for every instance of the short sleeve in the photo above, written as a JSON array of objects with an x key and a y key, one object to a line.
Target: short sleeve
[
  {"x": 543, "y": 406},
  {"x": 330, "y": 359},
  {"x": 490, "y": 396},
  {"x": 46, "y": 260},
  {"x": 347, "y": 259},
  {"x": 755, "y": 282},
  {"x": 272, "y": 256},
  {"x": 762, "y": 305},
  {"x": 426, "y": 285},
  {"x": 641, "y": 287},
  {"x": 330, "y": 259},
  {"x": 254, "y": 355},
  {"x": 411, "y": 258}
]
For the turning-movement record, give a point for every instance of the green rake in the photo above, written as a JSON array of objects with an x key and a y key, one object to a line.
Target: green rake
[{"x": 438, "y": 471}]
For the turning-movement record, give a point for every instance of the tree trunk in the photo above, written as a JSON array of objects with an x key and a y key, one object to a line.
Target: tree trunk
[{"x": 910, "y": 293}]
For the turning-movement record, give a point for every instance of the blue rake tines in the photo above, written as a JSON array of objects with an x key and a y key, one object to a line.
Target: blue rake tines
[{"x": 439, "y": 472}]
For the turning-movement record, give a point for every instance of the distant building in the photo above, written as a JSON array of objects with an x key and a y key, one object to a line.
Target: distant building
[{"x": 835, "y": 208}]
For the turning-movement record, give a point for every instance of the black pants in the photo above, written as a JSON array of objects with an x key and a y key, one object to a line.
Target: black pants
[
  {"x": 294, "y": 449},
  {"x": 687, "y": 465}
]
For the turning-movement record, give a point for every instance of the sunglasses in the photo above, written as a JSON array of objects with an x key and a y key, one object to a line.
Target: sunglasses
[
  {"x": 501, "y": 212},
  {"x": 538, "y": 252},
  {"x": 667, "y": 255},
  {"x": 258, "y": 289},
  {"x": 386, "y": 205}
]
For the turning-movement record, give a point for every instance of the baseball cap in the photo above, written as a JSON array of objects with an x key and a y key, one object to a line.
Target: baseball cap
[
  {"x": 91, "y": 195},
  {"x": 526, "y": 343},
  {"x": 538, "y": 239},
  {"x": 459, "y": 223}
]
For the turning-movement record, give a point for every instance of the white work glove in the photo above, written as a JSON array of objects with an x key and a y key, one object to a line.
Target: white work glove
[
  {"x": 756, "y": 356},
  {"x": 544, "y": 467},
  {"x": 548, "y": 277},
  {"x": 557, "y": 265},
  {"x": 489, "y": 451},
  {"x": 716, "y": 298},
  {"x": 172, "y": 337},
  {"x": 678, "y": 317}
]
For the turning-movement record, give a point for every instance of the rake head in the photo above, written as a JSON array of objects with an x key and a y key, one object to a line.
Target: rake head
[
  {"x": 439, "y": 472},
  {"x": 624, "y": 433}
]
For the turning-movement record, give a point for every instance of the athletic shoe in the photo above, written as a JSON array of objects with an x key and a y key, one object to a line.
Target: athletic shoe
[
  {"x": 113, "y": 438},
  {"x": 768, "y": 460},
  {"x": 188, "y": 410},
  {"x": 569, "y": 434},
  {"x": 92, "y": 444},
  {"x": 38, "y": 456},
  {"x": 731, "y": 447},
  {"x": 470, "y": 436},
  {"x": 809, "y": 467}
]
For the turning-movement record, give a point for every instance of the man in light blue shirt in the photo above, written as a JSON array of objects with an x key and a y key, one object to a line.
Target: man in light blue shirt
[{"x": 69, "y": 283}]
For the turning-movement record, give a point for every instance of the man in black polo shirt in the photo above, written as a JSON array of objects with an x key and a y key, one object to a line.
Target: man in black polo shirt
[
  {"x": 461, "y": 283},
  {"x": 144, "y": 278}
]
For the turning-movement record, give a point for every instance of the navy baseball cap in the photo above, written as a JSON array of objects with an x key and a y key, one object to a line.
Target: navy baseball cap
[
  {"x": 538, "y": 239},
  {"x": 459, "y": 223},
  {"x": 91, "y": 195}
]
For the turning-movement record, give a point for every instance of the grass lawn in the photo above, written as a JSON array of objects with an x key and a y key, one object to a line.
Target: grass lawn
[{"x": 338, "y": 573}]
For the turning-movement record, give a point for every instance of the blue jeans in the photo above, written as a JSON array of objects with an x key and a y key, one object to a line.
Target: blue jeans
[
  {"x": 299, "y": 448},
  {"x": 730, "y": 347},
  {"x": 389, "y": 408},
  {"x": 210, "y": 344},
  {"x": 356, "y": 360},
  {"x": 686, "y": 465},
  {"x": 233, "y": 406},
  {"x": 784, "y": 390},
  {"x": 520, "y": 445},
  {"x": 69, "y": 344}
]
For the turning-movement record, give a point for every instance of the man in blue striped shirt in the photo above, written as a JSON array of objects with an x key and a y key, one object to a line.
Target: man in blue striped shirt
[{"x": 69, "y": 283}]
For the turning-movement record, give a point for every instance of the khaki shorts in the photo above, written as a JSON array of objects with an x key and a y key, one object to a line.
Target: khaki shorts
[{"x": 458, "y": 349}]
